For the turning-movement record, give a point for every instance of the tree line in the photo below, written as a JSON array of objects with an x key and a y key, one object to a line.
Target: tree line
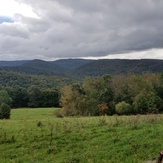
[
  {"x": 106, "y": 95},
  {"x": 18, "y": 97},
  {"x": 12, "y": 79},
  {"x": 34, "y": 96},
  {"x": 103, "y": 95}
]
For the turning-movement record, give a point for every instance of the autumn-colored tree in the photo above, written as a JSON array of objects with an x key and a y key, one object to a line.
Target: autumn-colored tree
[
  {"x": 121, "y": 94},
  {"x": 103, "y": 108},
  {"x": 85, "y": 98},
  {"x": 70, "y": 99}
]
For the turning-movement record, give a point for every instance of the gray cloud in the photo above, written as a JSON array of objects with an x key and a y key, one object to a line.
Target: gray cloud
[{"x": 68, "y": 28}]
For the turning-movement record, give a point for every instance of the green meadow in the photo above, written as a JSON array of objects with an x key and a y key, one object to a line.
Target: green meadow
[{"x": 37, "y": 136}]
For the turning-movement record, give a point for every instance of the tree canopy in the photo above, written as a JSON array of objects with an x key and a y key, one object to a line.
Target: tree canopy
[{"x": 121, "y": 94}]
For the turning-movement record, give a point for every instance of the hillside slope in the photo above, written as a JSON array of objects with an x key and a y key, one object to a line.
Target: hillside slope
[
  {"x": 79, "y": 68},
  {"x": 119, "y": 66},
  {"x": 40, "y": 67}
]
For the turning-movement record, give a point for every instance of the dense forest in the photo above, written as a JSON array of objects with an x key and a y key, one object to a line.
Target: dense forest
[
  {"x": 19, "y": 90},
  {"x": 106, "y": 95},
  {"x": 83, "y": 87},
  {"x": 10, "y": 78},
  {"x": 102, "y": 95},
  {"x": 34, "y": 96}
]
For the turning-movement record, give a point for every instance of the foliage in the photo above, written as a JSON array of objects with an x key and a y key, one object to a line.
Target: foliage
[
  {"x": 19, "y": 96},
  {"x": 80, "y": 68},
  {"x": 145, "y": 103},
  {"x": 34, "y": 95},
  {"x": 59, "y": 113},
  {"x": 4, "y": 111},
  {"x": 131, "y": 94},
  {"x": 42, "y": 98},
  {"x": 123, "y": 108},
  {"x": 70, "y": 99},
  {"x": 25, "y": 80},
  {"x": 103, "y": 108},
  {"x": 5, "y": 98},
  {"x": 50, "y": 98},
  {"x": 85, "y": 98},
  {"x": 119, "y": 66}
]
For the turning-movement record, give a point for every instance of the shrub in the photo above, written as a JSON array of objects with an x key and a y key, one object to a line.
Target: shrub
[
  {"x": 5, "y": 111},
  {"x": 103, "y": 108},
  {"x": 145, "y": 103},
  {"x": 123, "y": 108},
  {"x": 59, "y": 113}
]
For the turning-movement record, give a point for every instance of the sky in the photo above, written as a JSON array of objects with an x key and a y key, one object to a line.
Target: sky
[{"x": 93, "y": 29}]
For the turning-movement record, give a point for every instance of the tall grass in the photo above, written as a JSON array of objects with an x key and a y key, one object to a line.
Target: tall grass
[{"x": 36, "y": 135}]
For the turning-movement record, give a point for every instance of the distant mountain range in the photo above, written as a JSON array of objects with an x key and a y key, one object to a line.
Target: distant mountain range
[{"x": 82, "y": 68}]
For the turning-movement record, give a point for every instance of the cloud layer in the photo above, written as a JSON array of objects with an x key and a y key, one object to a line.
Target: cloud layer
[{"x": 94, "y": 28}]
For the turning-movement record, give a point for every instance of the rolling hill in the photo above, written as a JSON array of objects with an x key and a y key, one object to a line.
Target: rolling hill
[
  {"x": 80, "y": 68},
  {"x": 119, "y": 66}
]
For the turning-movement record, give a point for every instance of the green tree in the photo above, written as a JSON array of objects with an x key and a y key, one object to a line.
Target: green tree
[
  {"x": 126, "y": 88},
  {"x": 19, "y": 96},
  {"x": 145, "y": 103},
  {"x": 96, "y": 92},
  {"x": 50, "y": 98},
  {"x": 5, "y": 111},
  {"x": 35, "y": 96},
  {"x": 87, "y": 97},
  {"x": 5, "y": 98},
  {"x": 120, "y": 84},
  {"x": 123, "y": 108}
]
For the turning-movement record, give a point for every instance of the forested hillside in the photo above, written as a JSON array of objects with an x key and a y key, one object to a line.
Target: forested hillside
[
  {"x": 119, "y": 66},
  {"x": 84, "y": 87},
  {"x": 80, "y": 68},
  {"x": 40, "y": 67},
  {"x": 22, "y": 90},
  {"x": 12, "y": 63},
  {"x": 9, "y": 78}
]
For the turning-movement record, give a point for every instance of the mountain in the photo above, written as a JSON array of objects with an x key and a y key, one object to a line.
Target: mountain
[
  {"x": 72, "y": 64},
  {"x": 12, "y": 63},
  {"x": 40, "y": 67},
  {"x": 79, "y": 68},
  {"x": 119, "y": 66}
]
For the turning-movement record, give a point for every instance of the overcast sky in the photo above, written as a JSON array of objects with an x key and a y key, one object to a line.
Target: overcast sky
[{"x": 53, "y": 29}]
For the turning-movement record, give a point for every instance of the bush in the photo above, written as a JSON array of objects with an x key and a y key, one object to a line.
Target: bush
[
  {"x": 123, "y": 108},
  {"x": 5, "y": 111},
  {"x": 59, "y": 113},
  {"x": 145, "y": 103}
]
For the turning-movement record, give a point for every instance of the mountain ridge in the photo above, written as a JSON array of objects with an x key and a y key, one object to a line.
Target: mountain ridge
[{"x": 83, "y": 67}]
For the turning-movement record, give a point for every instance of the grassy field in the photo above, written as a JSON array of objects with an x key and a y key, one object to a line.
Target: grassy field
[{"x": 37, "y": 136}]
